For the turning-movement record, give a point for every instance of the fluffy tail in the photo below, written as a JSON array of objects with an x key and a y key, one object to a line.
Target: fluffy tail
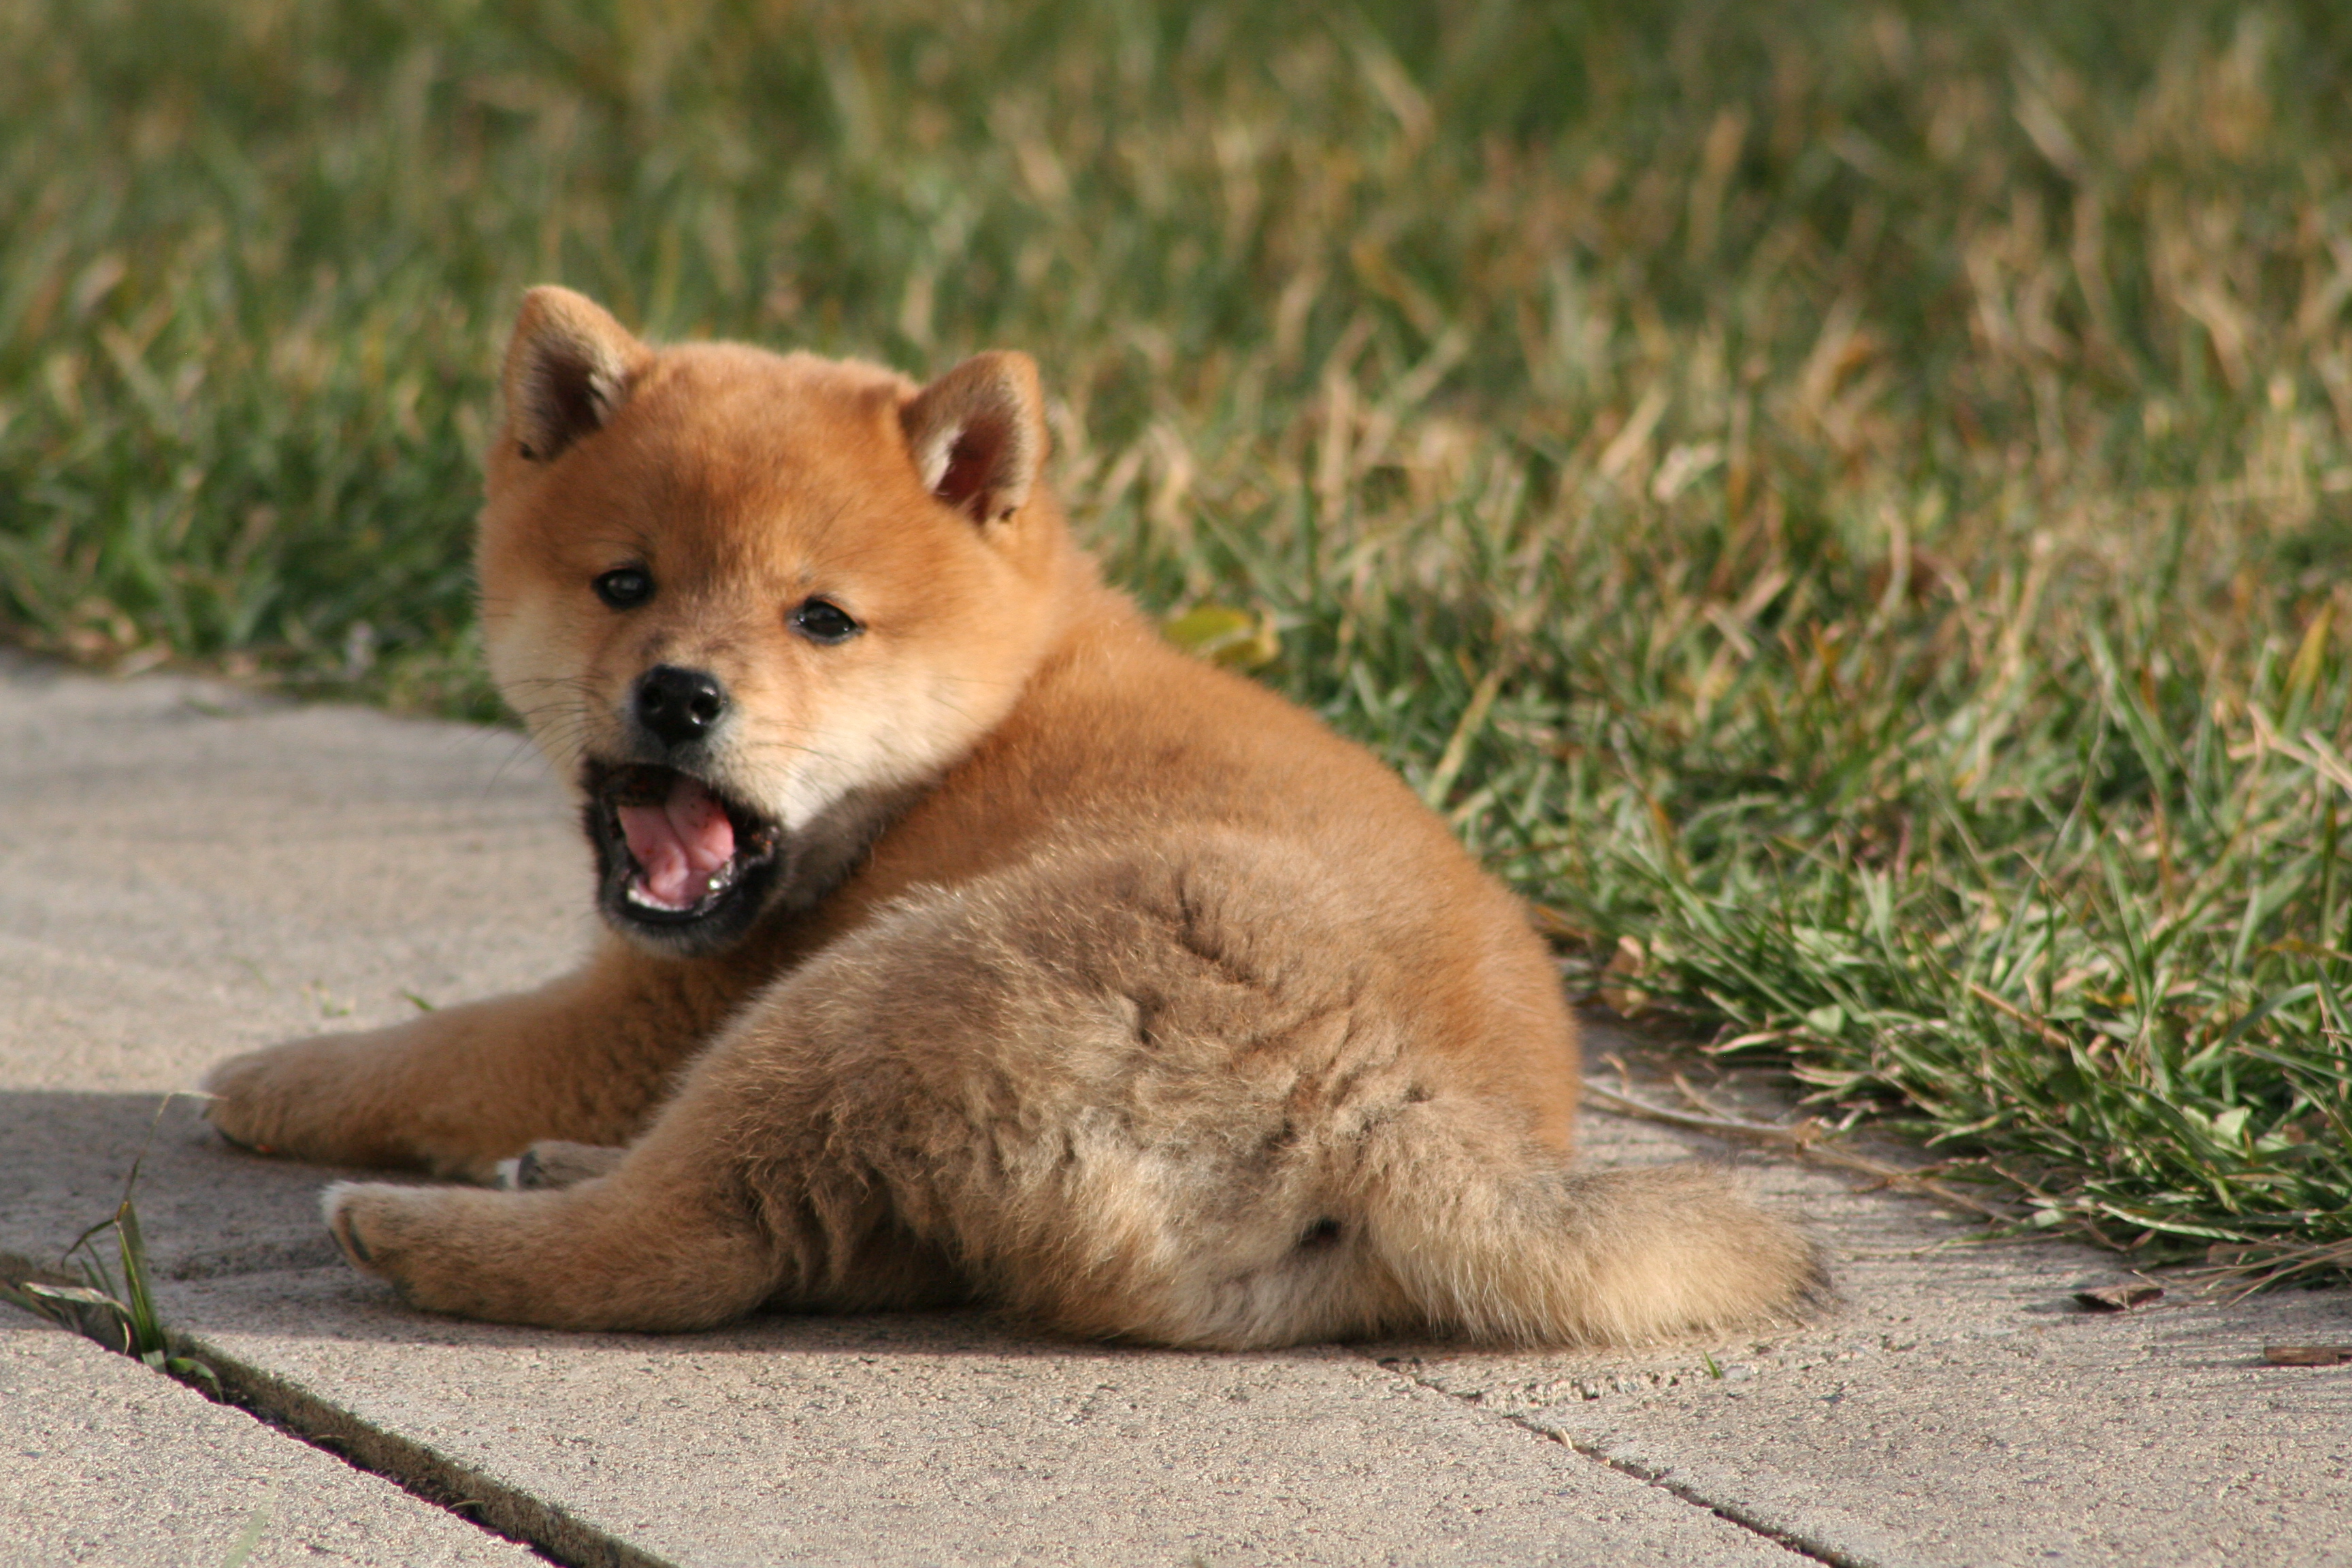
[{"x": 1574, "y": 1256}]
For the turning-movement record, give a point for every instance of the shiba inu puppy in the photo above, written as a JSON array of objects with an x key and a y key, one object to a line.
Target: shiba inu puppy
[{"x": 967, "y": 940}]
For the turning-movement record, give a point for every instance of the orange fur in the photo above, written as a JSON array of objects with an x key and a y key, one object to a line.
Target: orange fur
[{"x": 1084, "y": 977}]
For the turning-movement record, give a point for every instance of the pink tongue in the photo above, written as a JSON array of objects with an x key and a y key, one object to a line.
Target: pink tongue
[{"x": 679, "y": 843}]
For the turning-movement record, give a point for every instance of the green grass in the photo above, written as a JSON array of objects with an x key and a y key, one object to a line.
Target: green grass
[
  {"x": 1848, "y": 508},
  {"x": 115, "y": 1309}
]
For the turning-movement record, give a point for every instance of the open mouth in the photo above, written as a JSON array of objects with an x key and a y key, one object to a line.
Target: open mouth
[{"x": 674, "y": 853}]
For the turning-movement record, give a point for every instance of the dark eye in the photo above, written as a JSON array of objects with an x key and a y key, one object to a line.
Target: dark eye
[
  {"x": 626, "y": 587},
  {"x": 823, "y": 622}
]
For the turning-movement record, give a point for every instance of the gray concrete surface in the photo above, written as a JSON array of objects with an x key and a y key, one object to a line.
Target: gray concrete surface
[
  {"x": 184, "y": 871},
  {"x": 102, "y": 1461},
  {"x": 948, "y": 1439}
]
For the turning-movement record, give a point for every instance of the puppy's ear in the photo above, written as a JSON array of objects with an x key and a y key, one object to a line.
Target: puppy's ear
[
  {"x": 568, "y": 366},
  {"x": 978, "y": 435}
]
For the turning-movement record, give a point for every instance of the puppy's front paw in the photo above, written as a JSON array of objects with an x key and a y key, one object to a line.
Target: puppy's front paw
[
  {"x": 349, "y": 1099},
  {"x": 270, "y": 1102}
]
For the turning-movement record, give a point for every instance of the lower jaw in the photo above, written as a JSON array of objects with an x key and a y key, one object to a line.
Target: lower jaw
[
  {"x": 684, "y": 934},
  {"x": 634, "y": 894}
]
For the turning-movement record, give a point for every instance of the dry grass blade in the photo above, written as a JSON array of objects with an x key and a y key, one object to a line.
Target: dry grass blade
[
  {"x": 2240, "y": 1271},
  {"x": 1808, "y": 1140},
  {"x": 2015, "y": 1013}
]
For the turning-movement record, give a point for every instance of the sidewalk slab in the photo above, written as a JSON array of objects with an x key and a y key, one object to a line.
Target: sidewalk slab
[
  {"x": 949, "y": 1438},
  {"x": 185, "y": 872},
  {"x": 108, "y": 1464}
]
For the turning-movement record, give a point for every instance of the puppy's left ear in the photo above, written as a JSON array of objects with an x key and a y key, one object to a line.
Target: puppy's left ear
[{"x": 978, "y": 435}]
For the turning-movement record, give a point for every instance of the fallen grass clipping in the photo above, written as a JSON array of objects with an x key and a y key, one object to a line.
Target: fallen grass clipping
[{"x": 1846, "y": 507}]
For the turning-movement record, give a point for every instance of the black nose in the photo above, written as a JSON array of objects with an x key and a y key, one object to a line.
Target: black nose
[{"x": 679, "y": 706}]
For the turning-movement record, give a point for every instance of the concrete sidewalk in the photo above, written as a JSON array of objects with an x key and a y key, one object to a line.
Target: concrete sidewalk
[{"x": 185, "y": 871}]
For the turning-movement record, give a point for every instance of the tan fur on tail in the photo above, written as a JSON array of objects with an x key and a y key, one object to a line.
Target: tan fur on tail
[
  {"x": 968, "y": 940},
  {"x": 1588, "y": 1257}
]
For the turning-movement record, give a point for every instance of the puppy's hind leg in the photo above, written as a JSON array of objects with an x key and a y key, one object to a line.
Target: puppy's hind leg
[{"x": 660, "y": 1243}]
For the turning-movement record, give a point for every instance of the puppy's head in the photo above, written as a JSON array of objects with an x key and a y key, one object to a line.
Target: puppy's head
[{"x": 753, "y": 602}]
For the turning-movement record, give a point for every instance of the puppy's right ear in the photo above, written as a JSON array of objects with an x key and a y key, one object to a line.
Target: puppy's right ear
[{"x": 567, "y": 370}]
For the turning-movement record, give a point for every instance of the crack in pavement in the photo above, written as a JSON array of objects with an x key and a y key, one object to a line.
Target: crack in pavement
[
  {"x": 547, "y": 1528},
  {"x": 297, "y": 1416},
  {"x": 1731, "y": 1513}
]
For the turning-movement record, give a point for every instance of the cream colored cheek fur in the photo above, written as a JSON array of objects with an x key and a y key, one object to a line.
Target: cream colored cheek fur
[
  {"x": 880, "y": 727},
  {"x": 528, "y": 667}
]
